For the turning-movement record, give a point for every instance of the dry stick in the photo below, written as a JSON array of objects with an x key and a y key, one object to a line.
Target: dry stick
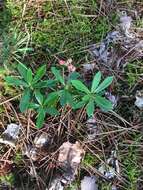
[{"x": 28, "y": 124}]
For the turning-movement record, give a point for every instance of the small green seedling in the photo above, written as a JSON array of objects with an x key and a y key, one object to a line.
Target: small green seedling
[
  {"x": 60, "y": 91},
  {"x": 29, "y": 83},
  {"x": 93, "y": 96},
  {"x": 65, "y": 92},
  {"x": 43, "y": 106}
]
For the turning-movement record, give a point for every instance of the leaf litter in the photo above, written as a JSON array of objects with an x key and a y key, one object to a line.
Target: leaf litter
[
  {"x": 69, "y": 159},
  {"x": 119, "y": 46}
]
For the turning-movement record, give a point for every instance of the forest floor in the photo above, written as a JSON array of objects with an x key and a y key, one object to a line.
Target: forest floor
[{"x": 85, "y": 36}]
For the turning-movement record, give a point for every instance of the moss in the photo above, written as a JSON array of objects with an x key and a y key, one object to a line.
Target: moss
[
  {"x": 89, "y": 160},
  {"x": 131, "y": 164},
  {"x": 133, "y": 71},
  {"x": 7, "y": 179}
]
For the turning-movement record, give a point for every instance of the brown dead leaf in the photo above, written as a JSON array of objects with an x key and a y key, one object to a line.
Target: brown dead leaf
[{"x": 70, "y": 155}]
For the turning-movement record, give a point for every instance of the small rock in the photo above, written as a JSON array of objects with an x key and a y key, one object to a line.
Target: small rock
[
  {"x": 31, "y": 152},
  {"x": 89, "y": 183},
  {"x": 10, "y": 135},
  {"x": 110, "y": 169},
  {"x": 139, "y": 99},
  {"x": 41, "y": 140},
  {"x": 56, "y": 185}
]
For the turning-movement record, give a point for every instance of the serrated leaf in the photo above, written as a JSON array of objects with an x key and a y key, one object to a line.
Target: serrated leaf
[
  {"x": 24, "y": 102},
  {"x": 22, "y": 69},
  {"x": 104, "y": 84},
  {"x": 15, "y": 82},
  {"x": 80, "y": 86},
  {"x": 58, "y": 75},
  {"x": 29, "y": 76},
  {"x": 90, "y": 108},
  {"x": 40, "y": 118},
  {"x": 39, "y": 73},
  {"x": 96, "y": 81},
  {"x": 39, "y": 97},
  {"x": 103, "y": 103}
]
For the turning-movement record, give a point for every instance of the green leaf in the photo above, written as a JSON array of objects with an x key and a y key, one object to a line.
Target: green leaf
[
  {"x": 96, "y": 81},
  {"x": 40, "y": 118},
  {"x": 39, "y": 97},
  {"x": 33, "y": 106},
  {"x": 104, "y": 84},
  {"x": 39, "y": 73},
  {"x": 22, "y": 69},
  {"x": 24, "y": 102},
  {"x": 24, "y": 49},
  {"x": 90, "y": 108},
  {"x": 15, "y": 82},
  {"x": 80, "y": 86},
  {"x": 58, "y": 75},
  {"x": 79, "y": 105},
  {"x": 103, "y": 103},
  {"x": 52, "y": 99},
  {"x": 73, "y": 76},
  {"x": 29, "y": 76},
  {"x": 45, "y": 84},
  {"x": 52, "y": 111},
  {"x": 66, "y": 98},
  {"x": 86, "y": 98}
]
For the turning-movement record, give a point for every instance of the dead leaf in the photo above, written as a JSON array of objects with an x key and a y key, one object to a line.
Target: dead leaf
[{"x": 70, "y": 155}]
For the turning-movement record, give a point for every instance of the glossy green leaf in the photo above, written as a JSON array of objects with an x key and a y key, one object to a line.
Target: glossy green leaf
[
  {"x": 52, "y": 111},
  {"x": 86, "y": 98},
  {"x": 15, "y": 82},
  {"x": 52, "y": 99},
  {"x": 45, "y": 84},
  {"x": 24, "y": 102},
  {"x": 96, "y": 81},
  {"x": 39, "y": 97},
  {"x": 33, "y": 106},
  {"x": 66, "y": 98},
  {"x": 80, "y": 86},
  {"x": 90, "y": 108},
  {"x": 103, "y": 103},
  {"x": 40, "y": 118},
  {"x": 58, "y": 75},
  {"x": 39, "y": 73},
  {"x": 22, "y": 69},
  {"x": 73, "y": 76},
  {"x": 79, "y": 105},
  {"x": 104, "y": 84},
  {"x": 29, "y": 76}
]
